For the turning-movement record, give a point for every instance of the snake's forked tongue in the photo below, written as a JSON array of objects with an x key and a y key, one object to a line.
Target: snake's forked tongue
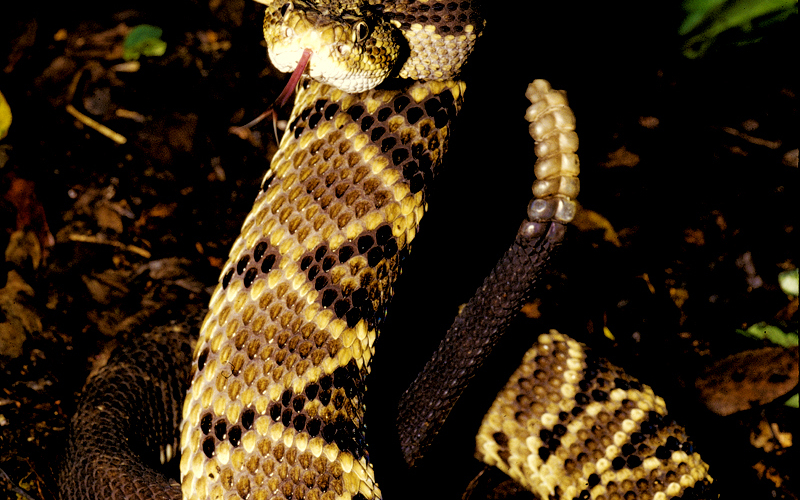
[{"x": 244, "y": 131}]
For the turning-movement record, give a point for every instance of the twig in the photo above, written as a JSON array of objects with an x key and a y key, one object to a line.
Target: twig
[{"x": 94, "y": 239}]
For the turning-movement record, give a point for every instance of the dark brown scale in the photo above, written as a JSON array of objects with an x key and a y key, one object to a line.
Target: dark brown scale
[
  {"x": 341, "y": 307},
  {"x": 312, "y": 273},
  {"x": 235, "y": 435},
  {"x": 413, "y": 115},
  {"x": 320, "y": 283},
  {"x": 209, "y": 447},
  {"x": 220, "y": 429},
  {"x": 319, "y": 105},
  {"x": 375, "y": 255},
  {"x": 325, "y": 397},
  {"x": 299, "y": 423},
  {"x": 365, "y": 243},
  {"x": 226, "y": 280},
  {"x": 286, "y": 417},
  {"x": 345, "y": 253},
  {"x": 328, "y": 262},
  {"x": 314, "y": 426},
  {"x": 384, "y": 113},
  {"x": 331, "y": 111},
  {"x": 367, "y": 122},
  {"x": 250, "y": 276},
  {"x": 248, "y": 417},
  {"x": 205, "y": 423},
  {"x": 387, "y": 144},
  {"x": 417, "y": 183},
  {"x": 259, "y": 250},
  {"x": 286, "y": 398},
  {"x": 314, "y": 120},
  {"x": 201, "y": 360},
  {"x": 399, "y": 155},
  {"x": 355, "y": 112},
  {"x": 269, "y": 261},
  {"x": 328, "y": 297},
  {"x": 376, "y": 134},
  {"x": 390, "y": 249}
]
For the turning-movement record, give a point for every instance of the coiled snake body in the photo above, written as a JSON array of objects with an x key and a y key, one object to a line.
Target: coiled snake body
[{"x": 275, "y": 408}]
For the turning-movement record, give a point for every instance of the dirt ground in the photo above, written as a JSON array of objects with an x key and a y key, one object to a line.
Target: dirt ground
[{"x": 689, "y": 176}]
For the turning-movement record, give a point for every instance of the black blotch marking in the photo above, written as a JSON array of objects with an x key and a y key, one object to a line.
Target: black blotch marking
[
  {"x": 400, "y": 103},
  {"x": 205, "y": 423},
  {"x": 365, "y": 243},
  {"x": 311, "y": 391},
  {"x": 269, "y": 261},
  {"x": 386, "y": 144},
  {"x": 399, "y": 155},
  {"x": 275, "y": 411},
  {"x": 235, "y": 435},
  {"x": 226, "y": 280},
  {"x": 250, "y": 276},
  {"x": 209, "y": 447},
  {"x": 366, "y": 123},
  {"x": 414, "y": 114},
  {"x": 314, "y": 426},
  {"x": 259, "y": 250},
  {"x": 331, "y": 110},
  {"x": 346, "y": 252},
  {"x": 341, "y": 307},
  {"x": 328, "y": 296},
  {"x": 299, "y": 423},
  {"x": 376, "y": 134},
  {"x": 220, "y": 429},
  {"x": 355, "y": 111},
  {"x": 248, "y": 417},
  {"x": 242, "y": 264},
  {"x": 201, "y": 359}
]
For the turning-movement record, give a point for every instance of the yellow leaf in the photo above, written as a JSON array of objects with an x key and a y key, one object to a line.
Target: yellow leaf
[
  {"x": 5, "y": 116},
  {"x": 589, "y": 220}
]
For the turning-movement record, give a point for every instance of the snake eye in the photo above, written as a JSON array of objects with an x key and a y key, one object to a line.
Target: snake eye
[{"x": 360, "y": 31}]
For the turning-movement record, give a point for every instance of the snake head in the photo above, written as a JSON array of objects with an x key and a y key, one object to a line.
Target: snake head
[{"x": 354, "y": 48}]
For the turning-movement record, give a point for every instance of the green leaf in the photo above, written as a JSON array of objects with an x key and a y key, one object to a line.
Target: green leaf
[
  {"x": 789, "y": 282},
  {"x": 706, "y": 20},
  {"x": 793, "y": 401},
  {"x": 144, "y": 40},
  {"x": 5, "y": 116},
  {"x": 771, "y": 333}
]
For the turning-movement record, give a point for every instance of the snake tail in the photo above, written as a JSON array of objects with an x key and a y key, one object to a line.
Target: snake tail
[
  {"x": 125, "y": 428},
  {"x": 571, "y": 425},
  {"x": 481, "y": 323}
]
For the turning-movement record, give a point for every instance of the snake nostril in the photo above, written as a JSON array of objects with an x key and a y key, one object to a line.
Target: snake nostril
[
  {"x": 288, "y": 32},
  {"x": 343, "y": 49}
]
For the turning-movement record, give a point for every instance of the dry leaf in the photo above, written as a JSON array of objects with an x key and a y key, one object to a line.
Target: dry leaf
[{"x": 748, "y": 379}]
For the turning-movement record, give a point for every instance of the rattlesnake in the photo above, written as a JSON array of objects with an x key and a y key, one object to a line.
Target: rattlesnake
[{"x": 275, "y": 408}]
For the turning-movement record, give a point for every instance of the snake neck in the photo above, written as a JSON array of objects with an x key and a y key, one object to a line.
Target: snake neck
[{"x": 276, "y": 403}]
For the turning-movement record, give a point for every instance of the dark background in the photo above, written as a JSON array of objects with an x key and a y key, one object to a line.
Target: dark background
[{"x": 696, "y": 197}]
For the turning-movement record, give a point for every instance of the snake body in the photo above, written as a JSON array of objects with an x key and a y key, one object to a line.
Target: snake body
[{"x": 275, "y": 405}]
